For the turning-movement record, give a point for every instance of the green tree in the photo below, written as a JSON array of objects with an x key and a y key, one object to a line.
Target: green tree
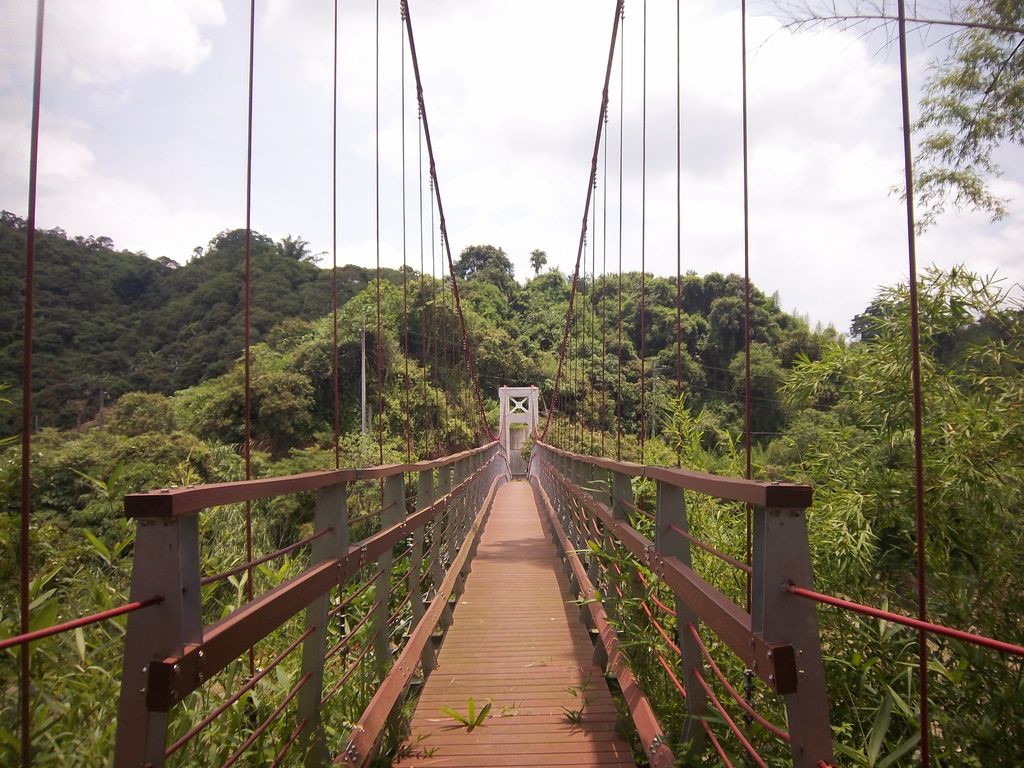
[
  {"x": 537, "y": 260},
  {"x": 137, "y": 413},
  {"x": 858, "y": 452},
  {"x": 486, "y": 262},
  {"x": 971, "y": 103}
]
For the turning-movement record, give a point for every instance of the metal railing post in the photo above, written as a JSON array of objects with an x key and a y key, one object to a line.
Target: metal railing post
[
  {"x": 424, "y": 498},
  {"x": 331, "y": 513},
  {"x": 622, "y": 497},
  {"x": 562, "y": 496},
  {"x": 463, "y": 469},
  {"x": 437, "y": 543},
  {"x": 603, "y": 494},
  {"x": 393, "y": 511},
  {"x": 165, "y": 562},
  {"x": 671, "y": 511},
  {"x": 782, "y": 554},
  {"x": 444, "y": 487},
  {"x": 579, "y": 479},
  {"x": 462, "y": 513}
]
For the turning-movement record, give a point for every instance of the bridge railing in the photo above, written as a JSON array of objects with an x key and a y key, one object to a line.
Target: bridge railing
[
  {"x": 592, "y": 505},
  {"x": 363, "y": 613}
]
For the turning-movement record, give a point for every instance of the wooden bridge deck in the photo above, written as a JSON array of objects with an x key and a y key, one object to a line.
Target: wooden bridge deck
[{"x": 518, "y": 643}]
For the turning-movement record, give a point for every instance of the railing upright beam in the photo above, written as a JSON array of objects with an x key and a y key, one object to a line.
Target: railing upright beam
[
  {"x": 437, "y": 546},
  {"x": 447, "y": 519},
  {"x": 622, "y": 497},
  {"x": 424, "y": 498},
  {"x": 331, "y": 513},
  {"x": 671, "y": 511},
  {"x": 165, "y": 562},
  {"x": 461, "y": 520},
  {"x": 603, "y": 494},
  {"x": 393, "y": 512},
  {"x": 782, "y": 554}
]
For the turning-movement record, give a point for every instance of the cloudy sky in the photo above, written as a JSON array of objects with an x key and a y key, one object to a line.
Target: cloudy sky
[{"x": 143, "y": 136}]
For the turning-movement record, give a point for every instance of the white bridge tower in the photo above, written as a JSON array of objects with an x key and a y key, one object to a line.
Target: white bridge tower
[{"x": 518, "y": 407}]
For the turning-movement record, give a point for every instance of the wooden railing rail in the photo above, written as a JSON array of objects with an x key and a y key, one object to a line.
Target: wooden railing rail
[
  {"x": 591, "y": 500},
  {"x": 169, "y": 652}
]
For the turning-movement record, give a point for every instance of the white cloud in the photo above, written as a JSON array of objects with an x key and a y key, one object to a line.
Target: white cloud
[
  {"x": 81, "y": 198},
  {"x": 513, "y": 92},
  {"x": 105, "y": 41}
]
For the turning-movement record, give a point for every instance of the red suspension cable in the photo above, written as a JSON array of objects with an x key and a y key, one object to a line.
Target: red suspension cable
[
  {"x": 24, "y": 677},
  {"x": 467, "y": 349},
  {"x": 249, "y": 565},
  {"x": 618, "y": 353},
  {"x": 424, "y": 338},
  {"x": 262, "y": 727},
  {"x": 405, "y": 275},
  {"x": 335, "y": 368},
  {"x": 604, "y": 279},
  {"x": 679, "y": 213},
  {"x": 247, "y": 686},
  {"x": 746, "y": 290},
  {"x": 643, "y": 240},
  {"x": 586, "y": 211},
  {"x": 751, "y": 712},
  {"x": 279, "y": 757},
  {"x": 248, "y": 316},
  {"x": 915, "y": 359},
  {"x": 376, "y": 188}
]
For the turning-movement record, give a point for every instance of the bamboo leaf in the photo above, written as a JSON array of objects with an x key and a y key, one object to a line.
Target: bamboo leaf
[
  {"x": 878, "y": 730},
  {"x": 99, "y": 546},
  {"x": 901, "y": 750},
  {"x": 454, "y": 715},
  {"x": 80, "y": 643}
]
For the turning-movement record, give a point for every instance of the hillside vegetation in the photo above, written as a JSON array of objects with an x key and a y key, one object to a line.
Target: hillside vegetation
[
  {"x": 164, "y": 343},
  {"x": 109, "y": 322}
]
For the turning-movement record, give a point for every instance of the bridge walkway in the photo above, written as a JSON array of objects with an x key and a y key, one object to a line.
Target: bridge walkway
[{"x": 518, "y": 643}]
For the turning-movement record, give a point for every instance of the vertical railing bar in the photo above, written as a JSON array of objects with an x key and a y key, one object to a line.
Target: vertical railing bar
[
  {"x": 670, "y": 512},
  {"x": 165, "y": 560},
  {"x": 331, "y": 512},
  {"x": 394, "y": 511}
]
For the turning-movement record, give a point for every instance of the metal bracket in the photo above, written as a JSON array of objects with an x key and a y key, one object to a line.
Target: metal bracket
[{"x": 656, "y": 742}]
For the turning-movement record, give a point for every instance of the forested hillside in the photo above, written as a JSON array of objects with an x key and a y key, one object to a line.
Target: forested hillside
[
  {"x": 109, "y": 322},
  {"x": 164, "y": 342}
]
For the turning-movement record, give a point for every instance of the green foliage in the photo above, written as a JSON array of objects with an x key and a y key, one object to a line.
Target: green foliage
[
  {"x": 110, "y": 322},
  {"x": 472, "y": 719},
  {"x": 972, "y": 106},
  {"x": 827, "y": 412},
  {"x": 574, "y": 714},
  {"x": 488, "y": 263},
  {"x": 537, "y": 260},
  {"x": 137, "y": 413},
  {"x": 857, "y": 451}
]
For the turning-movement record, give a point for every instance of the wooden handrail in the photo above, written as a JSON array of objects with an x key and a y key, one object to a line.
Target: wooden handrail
[
  {"x": 177, "y": 502},
  {"x": 756, "y": 492}
]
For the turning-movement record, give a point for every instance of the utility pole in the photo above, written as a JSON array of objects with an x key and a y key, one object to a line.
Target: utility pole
[
  {"x": 362, "y": 378},
  {"x": 654, "y": 404}
]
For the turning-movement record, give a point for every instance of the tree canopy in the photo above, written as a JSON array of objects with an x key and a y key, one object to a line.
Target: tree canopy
[{"x": 972, "y": 102}]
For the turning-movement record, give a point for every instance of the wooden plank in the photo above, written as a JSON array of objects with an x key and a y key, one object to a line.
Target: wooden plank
[{"x": 517, "y": 642}]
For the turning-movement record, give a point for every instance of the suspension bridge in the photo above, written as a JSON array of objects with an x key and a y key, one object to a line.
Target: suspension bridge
[{"x": 479, "y": 598}]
